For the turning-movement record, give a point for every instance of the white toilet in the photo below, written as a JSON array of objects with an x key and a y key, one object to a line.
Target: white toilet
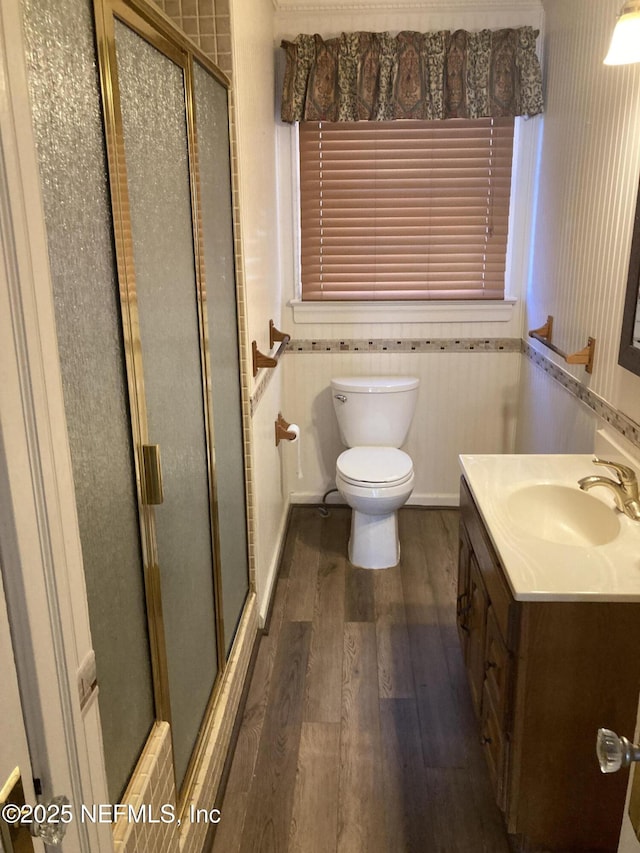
[{"x": 374, "y": 477}]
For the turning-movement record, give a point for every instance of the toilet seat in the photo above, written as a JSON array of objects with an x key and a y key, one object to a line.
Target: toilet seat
[{"x": 377, "y": 467}]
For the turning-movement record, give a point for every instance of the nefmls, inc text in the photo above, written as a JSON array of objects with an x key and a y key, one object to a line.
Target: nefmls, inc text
[{"x": 164, "y": 813}]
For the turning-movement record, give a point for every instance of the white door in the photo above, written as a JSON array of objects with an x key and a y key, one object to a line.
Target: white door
[
  {"x": 14, "y": 750},
  {"x": 628, "y": 840}
]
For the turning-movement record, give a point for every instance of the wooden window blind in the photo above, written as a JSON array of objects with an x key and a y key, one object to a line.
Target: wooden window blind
[{"x": 405, "y": 209}]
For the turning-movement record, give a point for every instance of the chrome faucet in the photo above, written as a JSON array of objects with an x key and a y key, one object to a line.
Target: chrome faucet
[{"x": 625, "y": 488}]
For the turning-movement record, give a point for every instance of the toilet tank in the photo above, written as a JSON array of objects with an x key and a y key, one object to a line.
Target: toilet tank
[{"x": 374, "y": 410}]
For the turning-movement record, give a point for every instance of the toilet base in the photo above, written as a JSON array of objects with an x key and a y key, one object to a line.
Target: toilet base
[{"x": 374, "y": 542}]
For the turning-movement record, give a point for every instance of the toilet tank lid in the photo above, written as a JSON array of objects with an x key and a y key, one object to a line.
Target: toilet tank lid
[{"x": 374, "y": 384}]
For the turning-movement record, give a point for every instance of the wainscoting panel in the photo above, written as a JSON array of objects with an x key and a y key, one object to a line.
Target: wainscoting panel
[
  {"x": 467, "y": 404},
  {"x": 587, "y": 190},
  {"x": 551, "y": 419}
]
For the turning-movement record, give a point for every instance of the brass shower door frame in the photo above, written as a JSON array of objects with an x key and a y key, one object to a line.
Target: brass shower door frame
[{"x": 150, "y": 24}]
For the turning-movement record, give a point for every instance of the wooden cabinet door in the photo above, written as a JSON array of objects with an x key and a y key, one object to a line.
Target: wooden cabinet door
[
  {"x": 498, "y": 666},
  {"x": 462, "y": 601},
  {"x": 496, "y": 706},
  {"x": 495, "y": 743},
  {"x": 476, "y": 622}
]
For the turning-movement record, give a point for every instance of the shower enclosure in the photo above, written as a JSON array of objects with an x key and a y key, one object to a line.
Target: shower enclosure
[{"x": 132, "y": 126}]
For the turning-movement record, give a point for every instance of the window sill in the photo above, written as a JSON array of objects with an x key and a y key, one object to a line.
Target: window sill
[{"x": 471, "y": 311}]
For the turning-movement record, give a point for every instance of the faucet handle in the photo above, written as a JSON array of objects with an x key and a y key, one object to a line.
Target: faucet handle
[{"x": 626, "y": 474}]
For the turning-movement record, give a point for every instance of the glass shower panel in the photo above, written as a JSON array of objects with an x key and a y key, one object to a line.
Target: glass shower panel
[
  {"x": 155, "y": 136},
  {"x": 68, "y": 128},
  {"x": 212, "y": 118}
]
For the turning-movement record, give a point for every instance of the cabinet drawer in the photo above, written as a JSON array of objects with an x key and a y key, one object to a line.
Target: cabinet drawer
[
  {"x": 476, "y": 621},
  {"x": 462, "y": 601},
  {"x": 492, "y": 574},
  {"x": 498, "y": 671},
  {"x": 495, "y": 745}
]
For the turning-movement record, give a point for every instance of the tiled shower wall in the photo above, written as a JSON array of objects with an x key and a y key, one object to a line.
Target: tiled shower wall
[
  {"x": 207, "y": 23},
  {"x": 152, "y": 786}
]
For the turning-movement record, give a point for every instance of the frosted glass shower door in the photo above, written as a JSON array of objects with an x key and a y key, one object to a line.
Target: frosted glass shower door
[
  {"x": 154, "y": 123},
  {"x": 71, "y": 145},
  {"x": 212, "y": 118}
]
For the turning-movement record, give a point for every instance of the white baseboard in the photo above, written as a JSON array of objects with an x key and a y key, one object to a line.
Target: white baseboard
[
  {"x": 416, "y": 499},
  {"x": 442, "y": 499},
  {"x": 265, "y": 595}
]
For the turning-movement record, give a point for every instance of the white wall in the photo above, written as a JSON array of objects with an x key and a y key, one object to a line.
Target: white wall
[
  {"x": 252, "y": 44},
  {"x": 549, "y": 418},
  {"x": 271, "y": 501},
  {"x": 466, "y": 404},
  {"x": 467, "y": 400},
  {"x": 590, "y": 159}
]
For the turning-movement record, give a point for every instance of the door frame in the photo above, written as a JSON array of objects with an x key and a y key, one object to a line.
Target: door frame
[
  {"x": 14, "y": 750},
  {"x": 41, "y": 552}
]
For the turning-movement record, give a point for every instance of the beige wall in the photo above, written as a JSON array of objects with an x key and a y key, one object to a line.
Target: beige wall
[
  {"x": 253, "y": 75},
  {"x": 466, "y": 404},
  {"x": 588, "y": 183},
  {"x": 467, "y": 400}
]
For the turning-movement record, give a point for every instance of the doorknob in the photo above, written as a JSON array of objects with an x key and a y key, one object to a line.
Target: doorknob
[
  {"x": 615, "y": 752},
  {"x": 19, "y": 821},
  {"x": 50, "y": 820}
]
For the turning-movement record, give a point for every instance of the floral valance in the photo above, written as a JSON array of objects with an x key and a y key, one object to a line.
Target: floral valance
[{"x": 380, "y": 77}]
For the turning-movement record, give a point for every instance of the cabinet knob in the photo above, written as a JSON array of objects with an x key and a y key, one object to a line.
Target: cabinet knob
[
  {"x": 461, "y": 608},
  {"x": 484, "y": 740},
  {"x": 490, "y": 664},
  {"x": 615, "y": 752}
]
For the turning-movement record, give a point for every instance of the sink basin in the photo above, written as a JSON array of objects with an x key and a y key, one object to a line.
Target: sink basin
[
  {"x": 562, "y": 514},
  {"x": 555, "y": 542}
]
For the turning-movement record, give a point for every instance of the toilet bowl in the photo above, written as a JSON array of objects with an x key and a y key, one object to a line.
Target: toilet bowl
[
  {"x": 374, "y": 476},
  {"x": 375, "y": 482}
]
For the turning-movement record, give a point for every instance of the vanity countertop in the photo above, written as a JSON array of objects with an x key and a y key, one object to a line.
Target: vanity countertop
[{"x": 543, "y": 570}]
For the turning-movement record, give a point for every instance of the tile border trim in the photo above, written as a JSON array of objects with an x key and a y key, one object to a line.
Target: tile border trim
[
  {"x": 368, "y": 345},
  {"x": 604, "y": 410},
  {"x": 260, "y": 388},
  {"x": 612, "y": 416}
]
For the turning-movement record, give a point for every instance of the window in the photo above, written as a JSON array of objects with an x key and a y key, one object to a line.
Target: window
[{"x": 405, "y": 210}]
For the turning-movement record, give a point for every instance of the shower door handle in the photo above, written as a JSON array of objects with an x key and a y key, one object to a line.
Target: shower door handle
[{"x": 152, "y": 475}]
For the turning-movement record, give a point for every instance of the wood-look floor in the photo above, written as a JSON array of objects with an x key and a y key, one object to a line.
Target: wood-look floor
[{"x": 358, "y": 732}]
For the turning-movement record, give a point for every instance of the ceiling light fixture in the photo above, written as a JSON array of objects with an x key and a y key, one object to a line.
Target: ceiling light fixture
[{"x": 625, "y": 41}]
